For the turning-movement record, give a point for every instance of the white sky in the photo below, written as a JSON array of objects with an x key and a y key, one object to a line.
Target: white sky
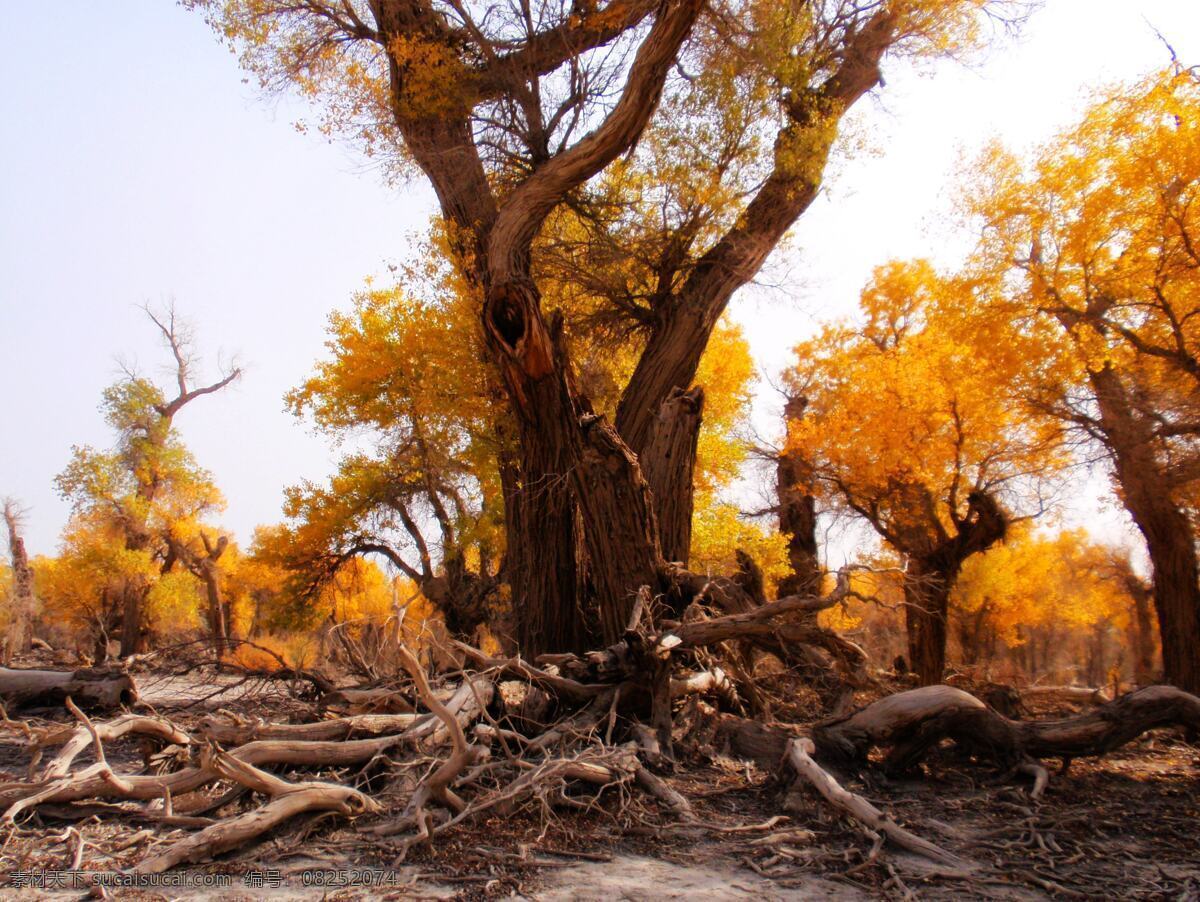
[{"x": 136, "y": 165}]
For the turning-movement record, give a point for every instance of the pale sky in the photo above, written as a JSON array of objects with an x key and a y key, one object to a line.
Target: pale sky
[{"x": 137, "y": 165}]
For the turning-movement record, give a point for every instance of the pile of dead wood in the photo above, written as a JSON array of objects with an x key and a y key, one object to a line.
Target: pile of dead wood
[{"x": 499, "y": 734}]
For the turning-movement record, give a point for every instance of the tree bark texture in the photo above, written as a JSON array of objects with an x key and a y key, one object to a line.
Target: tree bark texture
[
  {"x": 669, "y": 464},
  {"x": 926, "y": 608},
  {"x": 541, "y": 518},
  {"x": 1146, "y": 492},
  {"x": 797, "y": 512}
]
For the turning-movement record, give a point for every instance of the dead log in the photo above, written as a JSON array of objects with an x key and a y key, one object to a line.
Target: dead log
[
  {"x": 229, "y": 733},
  {"x": 367, "y": 701},
  {"x": 49, "y": 688}
]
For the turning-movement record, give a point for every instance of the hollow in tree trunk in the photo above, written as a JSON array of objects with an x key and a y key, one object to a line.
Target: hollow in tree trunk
[{"x": 569, "y": 456}]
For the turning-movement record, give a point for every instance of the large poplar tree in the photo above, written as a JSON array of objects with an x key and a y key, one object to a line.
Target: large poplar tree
[{"x": 521, "y": 112}]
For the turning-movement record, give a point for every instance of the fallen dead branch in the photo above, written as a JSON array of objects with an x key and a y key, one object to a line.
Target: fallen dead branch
[
  {"x": 76, "y": 741},
  {"x": 436, "y": 786},
  {"x": 235, "y": 733},
  {"x": 287, "y": 801},
  {"x": 800, "y": 758}
]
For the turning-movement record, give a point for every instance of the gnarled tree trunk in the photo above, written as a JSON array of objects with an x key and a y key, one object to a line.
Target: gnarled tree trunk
[
  {"x": 570, "y": 457},
  {"x": 930, "y": 577}
]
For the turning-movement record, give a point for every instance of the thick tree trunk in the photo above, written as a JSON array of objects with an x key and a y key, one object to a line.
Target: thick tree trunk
[
  {"x": 134, "y": 591},
  {"x": 20, "y": 625},
  {"x": 619, "y": 525},
  {"x": 669, "y": 464},
  {"x": 569, "y": 457},
  {"x": 926, "y": 608},
  {"x": 1176, "y": 596},
  {"x": 1142, "y": 623},
  {"x": 543, "y": 542},
  {"x": 932, "y": 570},
  {"x": 797, "y": 513},
  {"x": 133, "y": 626},
  {"x": 218, "y": 626},
  {"x": 1146, "y": 491}
]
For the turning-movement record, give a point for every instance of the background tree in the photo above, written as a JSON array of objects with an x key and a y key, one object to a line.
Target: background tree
[
  {"x": 904, "y": 430},
  {"x": 149, "y": 480},
  {"x": 84, "y": 585},
  {"x": 1093, "y": 252},
  {"x": 1048, "y": 602},
  {"x": 407, "y": 374},
  {"x": 22, "y": 604},
  {"x": 492, "y": 104}
]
